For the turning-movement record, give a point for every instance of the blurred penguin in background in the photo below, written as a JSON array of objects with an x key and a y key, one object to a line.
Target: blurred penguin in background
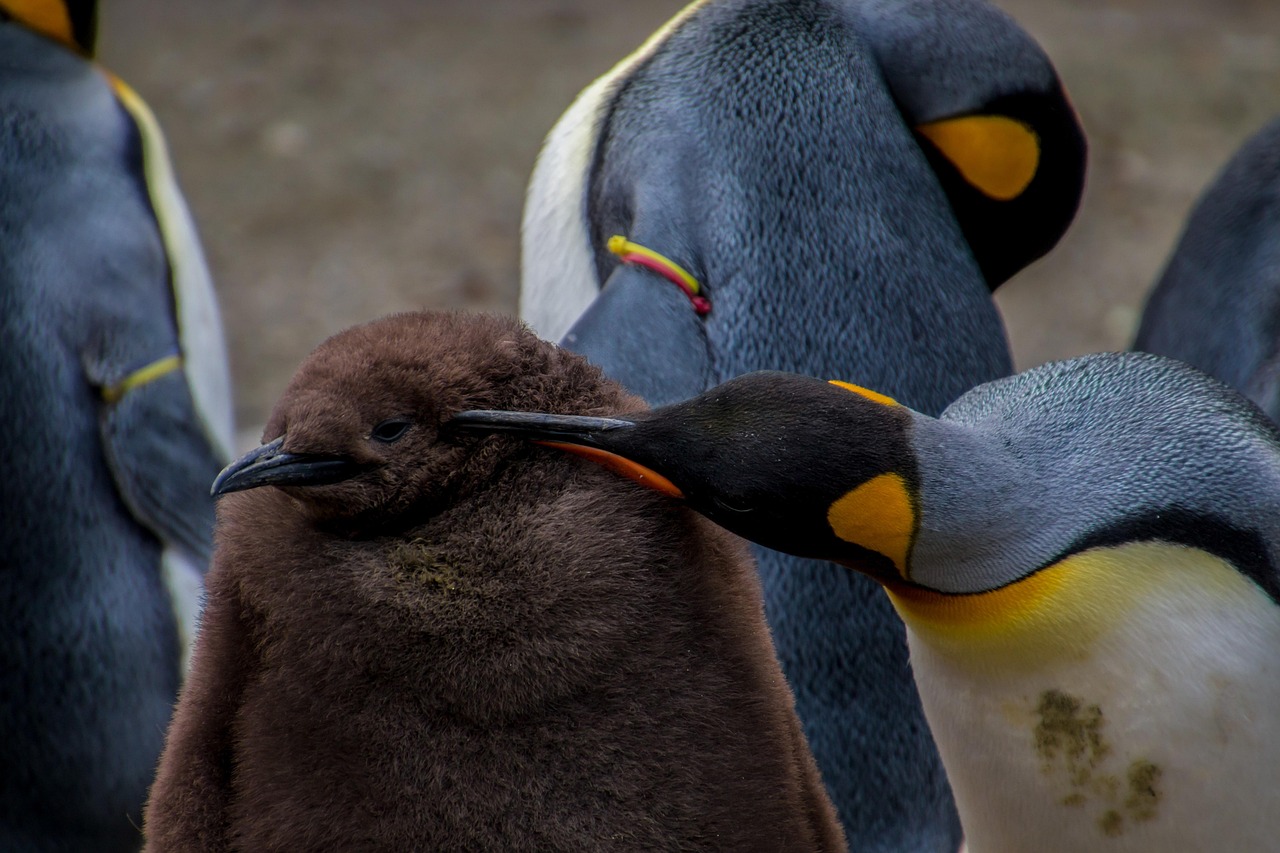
[
  {"x": 831, "y": 188},
  {"x": 114, "y": 416},
  {"x": 1217, "y": 304}
]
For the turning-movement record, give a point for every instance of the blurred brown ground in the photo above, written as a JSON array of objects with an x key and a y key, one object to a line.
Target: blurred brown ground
[{"x": 349, "y": 158}]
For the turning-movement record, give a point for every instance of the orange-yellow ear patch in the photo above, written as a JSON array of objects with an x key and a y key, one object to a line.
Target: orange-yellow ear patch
[
  {"x": 874, "y": 396},
  {"x": 996, "y": 154},
  {"x": 47, "y": 17},
  {"x": 620, "y": 465},
  {"x": 877, "y": 515}
]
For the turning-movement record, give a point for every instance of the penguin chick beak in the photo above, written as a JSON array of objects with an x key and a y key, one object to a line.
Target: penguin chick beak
[
  {"x": 590, "y": 438},
  {"x": 268, "y": 465}
]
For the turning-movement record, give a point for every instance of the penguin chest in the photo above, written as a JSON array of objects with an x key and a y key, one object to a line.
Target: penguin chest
[{"x": 1134, "y": 709}]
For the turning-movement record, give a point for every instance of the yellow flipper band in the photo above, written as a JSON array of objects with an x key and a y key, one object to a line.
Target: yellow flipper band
[
  {"x": 996, "y": 154},
  {"x": 141, "y": 376},
  {"x": 622, "y": 247},
  {"x": 634, "y": 253},
  {"x": 878, "y": 515},
  {"x": 47, "y": 17},
  {"x": 874, "y": 396}
]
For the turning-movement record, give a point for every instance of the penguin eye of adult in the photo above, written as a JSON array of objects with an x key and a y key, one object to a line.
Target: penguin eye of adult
[{"x": 390, "y": 430}]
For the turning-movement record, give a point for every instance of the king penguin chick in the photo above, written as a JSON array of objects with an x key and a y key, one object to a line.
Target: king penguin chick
[
  {"x": 1217, "y": 304},
  {"x": 414, "y": 642},
  {"x": 829, "y": 187},
  {"x": 1085, "y": 559},
  {"x": 114, "y": 414}
]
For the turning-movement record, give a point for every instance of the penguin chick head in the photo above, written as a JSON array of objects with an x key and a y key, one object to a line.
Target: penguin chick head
[{"x": 355, "y": 439}]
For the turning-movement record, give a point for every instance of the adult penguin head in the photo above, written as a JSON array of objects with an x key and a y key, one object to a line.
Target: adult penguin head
[
  {"x": 74, "y": 23},
  {"x": 990, "y": 115},
  {"x": 1016, "y": 477}
]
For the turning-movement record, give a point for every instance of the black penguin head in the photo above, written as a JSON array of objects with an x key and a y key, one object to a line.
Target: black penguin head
[
  {"x": 355, "y": 439},
  {"x": 72, "y": 22},
  {"x": 734, "y": 452}
]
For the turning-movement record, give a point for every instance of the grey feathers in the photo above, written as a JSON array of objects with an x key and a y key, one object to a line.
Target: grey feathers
[
  {"x": 1092, "y": 451},
  {"x": 104, "y": 501},
  {"x": 1217, "y": 304}
]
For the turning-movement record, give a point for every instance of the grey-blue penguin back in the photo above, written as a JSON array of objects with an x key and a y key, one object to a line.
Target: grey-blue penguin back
[
  {"x": 1129, "y": 446},
  {"x": 776, "y": 150},
  {"x": 744, "y": 147}
]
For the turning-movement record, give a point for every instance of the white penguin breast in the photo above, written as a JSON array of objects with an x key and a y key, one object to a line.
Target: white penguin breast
[{"x": 1135, "y": 708}]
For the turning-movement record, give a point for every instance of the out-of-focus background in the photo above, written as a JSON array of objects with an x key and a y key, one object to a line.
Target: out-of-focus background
[{"x": 348, "y": 158}]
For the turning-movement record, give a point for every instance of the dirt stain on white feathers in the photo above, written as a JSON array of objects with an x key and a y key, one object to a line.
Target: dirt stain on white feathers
[{"x": 1070, "y": 741}]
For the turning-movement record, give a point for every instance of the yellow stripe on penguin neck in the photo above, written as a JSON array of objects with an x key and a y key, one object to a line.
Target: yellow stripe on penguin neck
[{"x": 1063, "y": 610}]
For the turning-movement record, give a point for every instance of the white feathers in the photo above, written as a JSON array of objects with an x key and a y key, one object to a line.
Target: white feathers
[
  {"x": 1153, "y": 728},
  {"x": 558, "y": 279},
  {"x": 199, "y": 323},
  {"x": 184, "y": 581}
]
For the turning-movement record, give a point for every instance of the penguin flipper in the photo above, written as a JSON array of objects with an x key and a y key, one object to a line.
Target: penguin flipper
[
  {"x": 643, "y": 332},
  {"x": 163, "y": 463}
]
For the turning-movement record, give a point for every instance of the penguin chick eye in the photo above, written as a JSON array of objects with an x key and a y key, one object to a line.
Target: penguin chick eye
[{"x": 390, "y": 430}]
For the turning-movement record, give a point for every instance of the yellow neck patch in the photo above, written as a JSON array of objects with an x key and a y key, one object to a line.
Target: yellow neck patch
[
  {"x": 1059, "y": 611},
  {"x": 878, "y": 515},
  {"x": 996, "y": 154},
  {"x": 47, "y": 17}
]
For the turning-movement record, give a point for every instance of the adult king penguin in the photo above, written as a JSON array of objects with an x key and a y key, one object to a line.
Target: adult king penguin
[
  {"x": 1085, "y": 556},
  {"x": 415, "y": 641},
  {"x": 114, "y": 415},
  {"x": 830, "y": 187},
  {"x": 1217, "y": 304}
]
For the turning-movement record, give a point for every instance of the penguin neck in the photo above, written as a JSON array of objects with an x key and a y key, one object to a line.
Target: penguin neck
[
  {"x": 1125, "y": 702},
  {"x": 985, "y": 518}
]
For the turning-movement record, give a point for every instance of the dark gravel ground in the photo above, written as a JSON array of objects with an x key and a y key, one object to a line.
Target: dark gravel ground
[{"x": 346, "y": 159}]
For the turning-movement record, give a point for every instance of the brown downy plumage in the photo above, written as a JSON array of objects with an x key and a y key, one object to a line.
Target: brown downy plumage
[{"x": 461, "y": 644}]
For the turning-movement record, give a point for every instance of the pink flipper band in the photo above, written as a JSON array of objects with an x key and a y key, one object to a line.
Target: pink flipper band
[{"x": 634, "y": 253}]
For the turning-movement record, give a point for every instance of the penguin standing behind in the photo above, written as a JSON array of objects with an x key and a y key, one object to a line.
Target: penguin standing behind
[
  {"x": 114, "y": 414},
  {"x": 1085, "y": 556},
  {"x": 414, "y": 642},
  {"x": 830, "y": 187},
  {"x": 1217, "y": 304}
]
